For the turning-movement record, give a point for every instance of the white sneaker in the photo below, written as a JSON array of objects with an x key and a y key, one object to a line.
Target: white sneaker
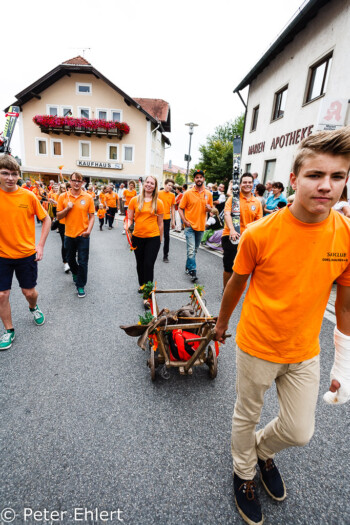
[
  {"x": 123, "y": 232},
  {"x": 66, "y": 267}
]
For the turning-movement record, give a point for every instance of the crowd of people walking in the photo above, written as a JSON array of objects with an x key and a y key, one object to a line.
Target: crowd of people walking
[{"x": 292, "y": 257}]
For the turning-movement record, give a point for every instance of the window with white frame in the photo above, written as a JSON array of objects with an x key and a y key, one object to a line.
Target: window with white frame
[
  {"x": 269, "y": 171},
  {"x": 41, "y": 147},
  {"x": 56, "y": 148},
  {"x": 52, "y": 110},
  {"x": 85, "y": 150},
  {"x": 66, "y": 111},
  {"x": 248, "y": 168},
  {"x": 82, "y": 88},
  {"x": 102, "y": 114},
  {"x": 84, "y": 112},
  {"x": 280, "y": 103},
  {"x": 128, "y": 153},
  {"x": 116, "y": 115},
  {"x": 112, "y": 152},
  {"x": 318, "y": 78}
]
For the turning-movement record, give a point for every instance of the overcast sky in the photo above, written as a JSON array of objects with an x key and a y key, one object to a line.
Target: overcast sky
[{"x": 191, "y": 53}]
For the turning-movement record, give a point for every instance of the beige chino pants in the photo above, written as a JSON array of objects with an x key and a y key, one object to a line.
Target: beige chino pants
[{"x": 297, "y": 390}]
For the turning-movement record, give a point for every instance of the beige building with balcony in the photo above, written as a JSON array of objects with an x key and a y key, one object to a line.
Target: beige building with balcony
[{"x": 76, "y": 118}]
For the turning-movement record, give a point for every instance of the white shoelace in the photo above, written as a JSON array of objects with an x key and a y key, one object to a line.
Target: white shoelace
[
  {"x": 37, "y": 314},
  {"x": 6, "y": 337}
]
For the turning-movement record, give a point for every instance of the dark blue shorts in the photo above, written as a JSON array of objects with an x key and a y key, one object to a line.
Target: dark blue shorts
[{"x": 26, "y": 270}]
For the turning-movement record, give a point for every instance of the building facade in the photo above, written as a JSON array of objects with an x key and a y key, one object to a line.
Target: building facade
[
  {"x": 170, "y": 171},
  {"x": 75, "y": 119},
  {"x": 300, "y": 85}
]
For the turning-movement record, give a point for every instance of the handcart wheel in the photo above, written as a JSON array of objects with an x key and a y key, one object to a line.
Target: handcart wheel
[{"x": 212, "y": 362}]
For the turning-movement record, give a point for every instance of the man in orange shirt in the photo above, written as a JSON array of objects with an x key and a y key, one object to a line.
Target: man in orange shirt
[
  {"x": 250, "y": 211},
  {"x": 18, "y": 252},
  {"x": 293, "y": 257},
  {"x": 193, "y": 208},
  {"x": 111, "y": 202},
  {"x": 77, "y": 206},
  {"x": 168, "y": 198}
]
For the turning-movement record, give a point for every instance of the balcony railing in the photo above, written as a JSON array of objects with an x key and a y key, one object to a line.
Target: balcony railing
[{"x": 81, "y": 126}]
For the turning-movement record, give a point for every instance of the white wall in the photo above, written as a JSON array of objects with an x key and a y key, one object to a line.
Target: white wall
[{"x": 328, "y": 31}]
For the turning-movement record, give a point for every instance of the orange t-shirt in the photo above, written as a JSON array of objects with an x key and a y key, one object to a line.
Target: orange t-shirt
[
  {"x": 17, "y": 226},
  {"x": 111, "y": 200},
  {"x": 128, "y": 195},
  {"x": 101, "y": 213},
  {"x": 92, "y": 193},
  {"x": 293, "y": 266},
  {"x": 250, "y": 211},
  {"x": 37, "y": 192},
  {"x": 194, "y": 202},
  {"x": 146, "y": 223},
  {"x": 168, "y": 199},
  {"x": 77, "y": 219},
  {"x": 102, "y": 198},
  {"x": 61, "y": 221},
  {"x": 53, "y": 196}
]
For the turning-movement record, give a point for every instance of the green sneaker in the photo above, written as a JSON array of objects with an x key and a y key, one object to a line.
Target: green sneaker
[
  {"x": 81, "y": 292},
  {"x": 75, "y": 277},
  {"x": 7, "y": 339},
  {"x": 39, "y": 317}
]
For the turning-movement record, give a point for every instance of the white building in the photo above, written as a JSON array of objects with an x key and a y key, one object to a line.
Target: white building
[{"x": 300, "y": 85}]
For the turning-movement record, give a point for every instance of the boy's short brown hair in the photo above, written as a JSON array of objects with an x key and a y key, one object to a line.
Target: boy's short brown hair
[
  {"x": 7, "y": 162},
  {"x": 77, "y": 175},
  {"x": 335, "y": 142},
  {"x": 169, "y": 180}
]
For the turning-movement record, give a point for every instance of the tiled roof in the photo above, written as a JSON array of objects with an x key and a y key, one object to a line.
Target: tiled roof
[
  {"x": 77, "y": 61},
  {"x": 155, "y": 110},
  {"x": 173, "y": 169},
  {"x": 156, "y": 107}
]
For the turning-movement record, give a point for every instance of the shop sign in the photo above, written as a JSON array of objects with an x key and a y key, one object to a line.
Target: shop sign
[
  {"x": 96, "y": 164},
  {"x": 293, "y": 137},
  {"x": 256, "y": 148},
  {"x": 332, "y": 113}
]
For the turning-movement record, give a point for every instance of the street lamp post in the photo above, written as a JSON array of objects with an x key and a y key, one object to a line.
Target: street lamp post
[{"x": 191, "y": 126}]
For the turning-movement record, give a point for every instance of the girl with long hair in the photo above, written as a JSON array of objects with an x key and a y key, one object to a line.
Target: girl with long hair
[{"x": 146, "y": 212}]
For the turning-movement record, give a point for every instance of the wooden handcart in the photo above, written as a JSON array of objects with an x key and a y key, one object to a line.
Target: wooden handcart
[{"x": 202, "y": 324}]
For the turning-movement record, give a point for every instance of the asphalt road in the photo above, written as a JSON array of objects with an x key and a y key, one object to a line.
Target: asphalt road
[{"x": 84, "y": 428}]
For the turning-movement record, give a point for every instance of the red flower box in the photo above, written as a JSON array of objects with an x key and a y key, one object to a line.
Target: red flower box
[{"x": 48, "y": 121}]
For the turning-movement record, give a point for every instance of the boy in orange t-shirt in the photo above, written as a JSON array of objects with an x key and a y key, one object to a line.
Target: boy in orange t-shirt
[
  {"x": 128, "y": 194},
  {"x": 101, "y": 213},
  {"x": 18, "y": 252},
  {"x": 293, "y": 257},
  {"x": 168, "y": 198},
  {"x": 77, "y": 206},
  {"x": 111, "y": 203}
]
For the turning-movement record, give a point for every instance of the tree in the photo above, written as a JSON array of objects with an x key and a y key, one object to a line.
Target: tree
[
  {"x": 179, "y": 178},
  {"x": 217, "y": 154},
  {"x": 229, "y": 130}
]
